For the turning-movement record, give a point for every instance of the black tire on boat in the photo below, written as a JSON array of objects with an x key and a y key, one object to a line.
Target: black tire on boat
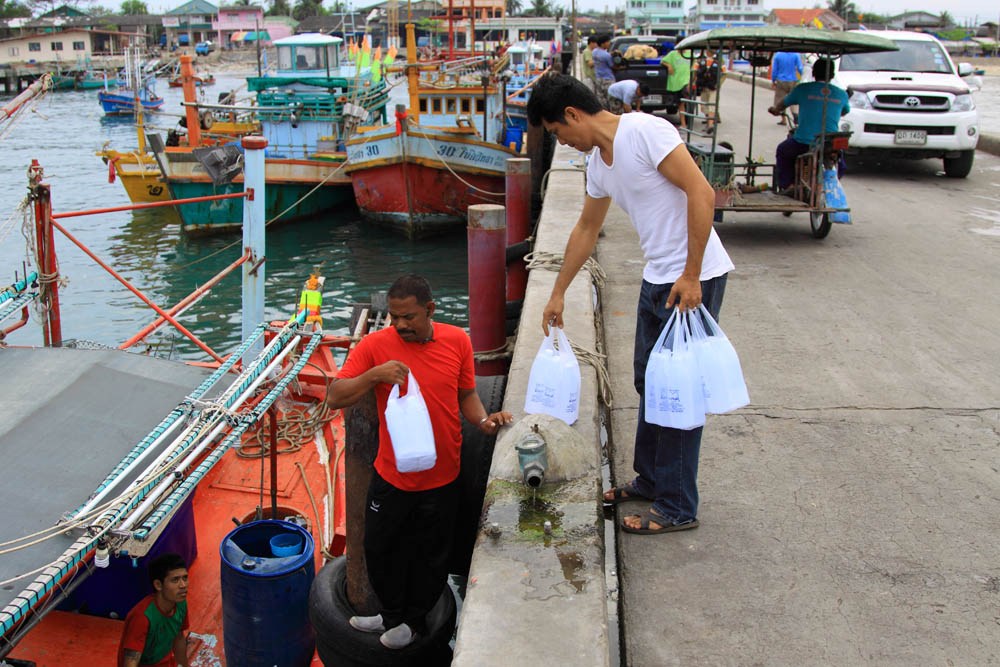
[
  {"x": 477, "y": 456},
  {"x": 339, "y": 644}
]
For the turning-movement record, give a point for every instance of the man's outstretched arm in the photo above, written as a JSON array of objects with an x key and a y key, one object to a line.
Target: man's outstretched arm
[{"x": 580, "y": 246}]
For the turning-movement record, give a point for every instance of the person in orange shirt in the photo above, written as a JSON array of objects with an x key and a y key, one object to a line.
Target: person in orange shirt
[
  {"x": 154, "y": 629},
  {"x": 409, "y": 516}
]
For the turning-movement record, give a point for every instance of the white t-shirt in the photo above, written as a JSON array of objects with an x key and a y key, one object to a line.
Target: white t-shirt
[
  {"x": 657, "y": 207},
  {"x": 624, "y": 90}
]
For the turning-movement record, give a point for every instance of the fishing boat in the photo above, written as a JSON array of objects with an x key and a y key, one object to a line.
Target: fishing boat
[
  {"x": 135, "y": 89},
  {"x": 83, "y": 80},
  {"x": 305, "y": 110},
  {"x": 527, "y": 65},
  {"x": 447, "y": 151}
]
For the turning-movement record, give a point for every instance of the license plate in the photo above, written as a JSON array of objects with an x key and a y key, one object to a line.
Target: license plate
[
  {"x": 911, "y": 137},
  {"x": 652, "y": 99}
]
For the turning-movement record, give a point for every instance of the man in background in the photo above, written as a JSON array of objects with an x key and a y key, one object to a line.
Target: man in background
[
  {"x": 604, "y": 75},
  {"x": 786, "y": 69},
  {"x": 589, "y": 77},
  {"x": 678, "y": 79},
  {"x": 626, "y": 95}
]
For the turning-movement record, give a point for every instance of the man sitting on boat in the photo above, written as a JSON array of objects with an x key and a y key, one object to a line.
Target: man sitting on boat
[
  {"x": 817, "y": 100},
  {"x": 409, "y": 516},
  {"x": 626, "y": 95},
  {"x": 154, "y": 629}
]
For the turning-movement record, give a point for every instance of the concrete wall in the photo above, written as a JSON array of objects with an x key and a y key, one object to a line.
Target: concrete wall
[
  {"x": 17, "y": 50},
  {"x": 534, "y": 597}
]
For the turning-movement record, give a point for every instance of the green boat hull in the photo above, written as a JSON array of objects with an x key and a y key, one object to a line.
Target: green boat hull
[{"x": 290, "y": 200}]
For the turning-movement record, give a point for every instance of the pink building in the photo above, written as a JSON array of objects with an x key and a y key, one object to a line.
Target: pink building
[{"x": 238, "y": 24}]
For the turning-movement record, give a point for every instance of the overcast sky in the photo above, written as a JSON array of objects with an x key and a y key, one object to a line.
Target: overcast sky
[{"x": 963, "y": 10}]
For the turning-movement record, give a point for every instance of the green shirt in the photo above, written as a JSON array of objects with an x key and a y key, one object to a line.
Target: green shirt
[
  {"x": 588, "y": 64},
  {"x": 682, "y": 70}
]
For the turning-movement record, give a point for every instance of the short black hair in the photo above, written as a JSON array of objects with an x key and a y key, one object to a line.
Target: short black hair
[
  {"x": 603, "y": 38},
  {"x": 592, "y": 40},
  {"x": 553, "y": 93},
  {"x": 823, "y": 69},
  {"x": 644, "y": 89},
  {"x": 411, "y": 285},
  {"x": 163, "y": 565}
]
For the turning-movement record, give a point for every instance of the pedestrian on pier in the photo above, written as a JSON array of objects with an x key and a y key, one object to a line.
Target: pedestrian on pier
[
  {"x": 604, "y": 74},
  {"x": 639, "y": 161},
  {"x": 409, "y": 517}
]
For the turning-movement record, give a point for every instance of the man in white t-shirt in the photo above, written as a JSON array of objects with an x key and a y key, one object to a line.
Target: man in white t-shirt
[
  {"x": 626, "y": 95},
  {"x": 639, "y": 161}
]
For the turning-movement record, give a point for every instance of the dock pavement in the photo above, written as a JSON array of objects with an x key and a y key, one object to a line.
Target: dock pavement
[{"x": 851, "y": 513}]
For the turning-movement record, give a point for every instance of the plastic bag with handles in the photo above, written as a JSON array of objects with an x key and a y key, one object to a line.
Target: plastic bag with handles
[
  {"x": 674, "y": 394},
  {"x": 410, "y": 429},
  {"x": 554, "y": 381}
]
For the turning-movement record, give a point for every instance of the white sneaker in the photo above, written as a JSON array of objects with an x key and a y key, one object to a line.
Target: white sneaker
[
  {"x": 367, "y": 623},
  {"x": 398, "y": 637}
]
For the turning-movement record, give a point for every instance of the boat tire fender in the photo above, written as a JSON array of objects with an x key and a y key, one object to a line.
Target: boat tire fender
[
  {"x": 206, "y": 120},
  {"x": 340, "y": 644}
]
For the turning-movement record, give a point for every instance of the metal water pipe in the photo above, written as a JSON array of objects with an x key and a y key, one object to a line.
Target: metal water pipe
[
  {"x": 533, "y": 458},
  {"x": 253, "y": 237}
]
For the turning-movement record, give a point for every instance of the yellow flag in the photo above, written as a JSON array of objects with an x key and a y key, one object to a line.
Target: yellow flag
[{"x": 818, "y": 23}]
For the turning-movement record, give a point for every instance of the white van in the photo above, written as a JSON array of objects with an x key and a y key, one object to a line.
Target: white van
[{"x": 911, "y": 103}]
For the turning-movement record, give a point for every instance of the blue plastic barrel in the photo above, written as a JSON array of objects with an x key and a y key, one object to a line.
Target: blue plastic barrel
[
  {"x": 265, "y": 600},
  {"x": 515, "y": 135}
]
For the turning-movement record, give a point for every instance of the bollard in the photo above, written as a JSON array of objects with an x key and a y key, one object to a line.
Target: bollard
[
  {"x": 518, "y": 201},
  {"x": 253, "y": 239},
  {"x": 191, "y": 96},
  {"x": 487, "y": 267}
]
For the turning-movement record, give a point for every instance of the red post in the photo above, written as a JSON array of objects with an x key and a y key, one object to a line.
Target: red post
[
  {"x": 190, "y": 96},
  {"x": 46, "y": 255},
  {"x": 518, "y": 201},
  {"x": 487, "y": 294}
]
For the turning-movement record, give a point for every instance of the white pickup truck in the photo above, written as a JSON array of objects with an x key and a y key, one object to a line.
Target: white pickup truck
[{"x": 911, "y": 103}]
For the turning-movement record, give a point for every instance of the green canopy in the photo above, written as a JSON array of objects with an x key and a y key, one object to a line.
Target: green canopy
[
  {"x": 796, "y": 39},
  {"x": 253, "y": 36}
]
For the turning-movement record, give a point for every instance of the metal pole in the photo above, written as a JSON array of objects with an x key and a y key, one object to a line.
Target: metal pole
[
  {"x": 191, "y": 112},
  {"x": 753, "y": 97},
  {"x": 272, "y": 416},
  {"x": 52, "y": 322},
  {"x": 487, "y": 296},
  {"x": 256, "y": 24},
  {"x": 518, "y": 206},
  {"x": 253, "y": 238}
]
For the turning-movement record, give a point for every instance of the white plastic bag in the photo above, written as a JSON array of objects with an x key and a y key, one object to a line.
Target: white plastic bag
[
  {"x": 410, "y": 429},
  {"x": 554, "y": 382},
  {"x": 674, "y": 394},
  {"x": 724, "y": 387}
]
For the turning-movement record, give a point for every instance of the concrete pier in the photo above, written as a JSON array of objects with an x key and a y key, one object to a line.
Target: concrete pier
[{"x": 849, "y": 514}]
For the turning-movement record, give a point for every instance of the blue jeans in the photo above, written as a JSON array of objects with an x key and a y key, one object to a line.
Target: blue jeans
[{"x": 666, "y": 459}]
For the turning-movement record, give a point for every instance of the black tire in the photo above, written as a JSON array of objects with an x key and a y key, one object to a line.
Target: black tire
[
  {"x": 477, "y": 456},
  {"x": 340, "y": 644},
  {"x": 821, "y": 224},
  {"x": 959, "y": 167}
]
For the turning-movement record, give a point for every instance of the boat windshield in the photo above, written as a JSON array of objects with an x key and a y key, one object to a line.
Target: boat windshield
[
  {"x": 913, "y": 56},
  {"x": 302, "y": 58}
]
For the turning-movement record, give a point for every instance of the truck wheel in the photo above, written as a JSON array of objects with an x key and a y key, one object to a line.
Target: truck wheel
[
  {"x": 821, "y": 224},
  {"x": 959, "y": 167}
]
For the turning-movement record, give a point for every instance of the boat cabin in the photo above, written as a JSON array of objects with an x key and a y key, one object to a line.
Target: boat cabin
[
  {"x": 308, "y": 54},
  {"x": 526, "y": 58},
  {"x": 462, "y": 106}
]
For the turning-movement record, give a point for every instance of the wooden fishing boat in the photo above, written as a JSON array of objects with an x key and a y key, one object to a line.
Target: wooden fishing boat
[
  {"x": 123, "y": 103},
  {"x": 301, "y": 110},
  {"x": 83, "y": 80},
  {"x": 448, "y": 151}
]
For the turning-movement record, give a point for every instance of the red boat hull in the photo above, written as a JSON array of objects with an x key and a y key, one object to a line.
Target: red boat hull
[{"x": 421, "y": 200}]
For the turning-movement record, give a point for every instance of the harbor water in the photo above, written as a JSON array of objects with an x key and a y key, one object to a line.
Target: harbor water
[{"x": 148, "y": 249}]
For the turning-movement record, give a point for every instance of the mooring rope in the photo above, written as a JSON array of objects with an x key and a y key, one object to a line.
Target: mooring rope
[
  {"x": 448, "y": 167},
  {"x": 553, "y": 262}
]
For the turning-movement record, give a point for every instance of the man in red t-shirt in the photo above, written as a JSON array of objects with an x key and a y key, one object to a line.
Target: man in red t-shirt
[
  {"x": 409, "y": 516},
  {"x": 154, "y": 629}
]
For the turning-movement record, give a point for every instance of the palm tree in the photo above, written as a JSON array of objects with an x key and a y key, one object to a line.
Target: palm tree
[
  {"x": 539, "y": 8},
  {"x": 513, "y": 7},
  {"x": 845, "y": 9},
  {"x": 946, "y": 19}
]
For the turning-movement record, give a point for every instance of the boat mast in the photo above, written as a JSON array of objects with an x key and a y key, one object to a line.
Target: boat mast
[
  {"x": 451, "y": 33},
  {"x": 412, "y": 71}
]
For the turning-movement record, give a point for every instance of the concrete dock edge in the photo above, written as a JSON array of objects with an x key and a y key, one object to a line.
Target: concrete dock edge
[{"x": 538, "y": 593}]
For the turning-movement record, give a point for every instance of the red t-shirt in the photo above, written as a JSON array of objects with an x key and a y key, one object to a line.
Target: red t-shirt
[
  {"x": 151, "y": 632},
  {"x": 442, "y": 367}
]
